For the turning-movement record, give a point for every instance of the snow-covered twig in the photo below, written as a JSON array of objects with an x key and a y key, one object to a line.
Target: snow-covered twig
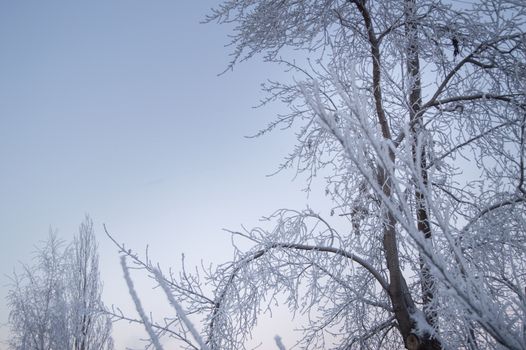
[
  {"x": 138, "y": 306},
  {"x": 279, "y": 343},
  {"x": 180, "y": 312}
]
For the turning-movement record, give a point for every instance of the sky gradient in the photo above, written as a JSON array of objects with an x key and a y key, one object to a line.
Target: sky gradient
[{"x": 115, "y": 109}]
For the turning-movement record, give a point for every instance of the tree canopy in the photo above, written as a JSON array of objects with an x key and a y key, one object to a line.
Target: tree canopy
[
  {"x": 414, "y": 111},
  {"x": 56, "y": 301}
]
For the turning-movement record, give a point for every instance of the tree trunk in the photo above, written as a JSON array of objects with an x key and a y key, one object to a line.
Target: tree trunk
[{"x": 419, "y": 154}]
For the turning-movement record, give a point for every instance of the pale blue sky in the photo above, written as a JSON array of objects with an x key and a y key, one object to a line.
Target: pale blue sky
[{"x": 114, "y": 108}]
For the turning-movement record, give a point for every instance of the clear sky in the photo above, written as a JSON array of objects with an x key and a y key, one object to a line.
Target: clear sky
[{"x": 114, "y": 108}]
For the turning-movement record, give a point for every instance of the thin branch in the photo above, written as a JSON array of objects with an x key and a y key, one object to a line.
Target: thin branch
[
  {"x": 165, "y": 329},
  {"x": 492, "y": 208},
  {"x": 378, "y": 328},
  {"x": 148, "y": 267},
  {"x": 468, "y": 59},
  {"x": 467, "y": 142},
  {"x": 180, "y": 312},
  {"x": 466, "y": 98}
]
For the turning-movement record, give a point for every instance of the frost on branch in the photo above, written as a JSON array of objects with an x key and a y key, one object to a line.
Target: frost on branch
[{"x": 414, "y": 112}]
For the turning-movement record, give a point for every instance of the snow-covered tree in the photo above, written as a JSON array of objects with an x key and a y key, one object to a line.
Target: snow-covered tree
[
  {"x": 414, "y": 112},
  {"x": 37, "y": 303},
  {"x": 55, "y": 302},
  {"x": 90, "y": 326}
]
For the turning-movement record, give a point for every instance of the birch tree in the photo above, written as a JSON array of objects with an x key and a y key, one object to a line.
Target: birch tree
[{"x": 414, "y": 111}]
